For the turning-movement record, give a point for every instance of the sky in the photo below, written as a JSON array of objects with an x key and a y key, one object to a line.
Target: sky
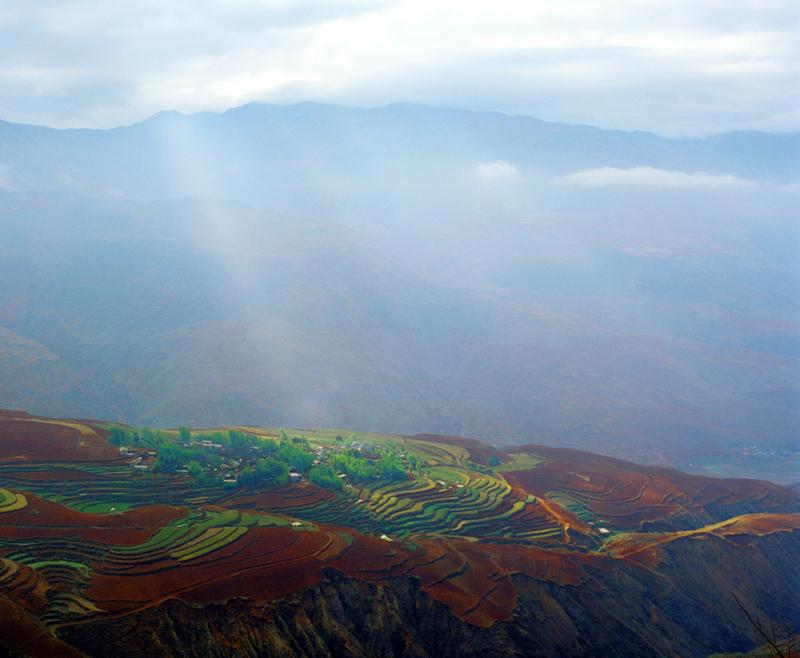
[{"x": 684, "y": 67}]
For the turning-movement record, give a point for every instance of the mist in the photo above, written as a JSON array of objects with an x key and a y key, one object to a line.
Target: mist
[{"x": 407, "y": 269}]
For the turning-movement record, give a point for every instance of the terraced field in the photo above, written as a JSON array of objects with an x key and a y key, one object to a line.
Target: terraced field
[
  {"x": 645, "y": 547},
  {"x": 29, "y": 438},
  {"x": 606, "y": 492},
  {"x": 10, "y": 501},
  {"x": 86, "y": 540},
  {"x": 104, "y": 488},
  {"x": 451, "y": 498}
]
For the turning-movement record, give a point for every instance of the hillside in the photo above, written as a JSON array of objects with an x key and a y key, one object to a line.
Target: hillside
[
  {"x": 282, "y": 265},
  {"x": 256, "y": 541}
]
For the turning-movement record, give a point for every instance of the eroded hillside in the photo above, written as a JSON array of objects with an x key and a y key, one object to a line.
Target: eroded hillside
[{"x": 370, "y": 544}]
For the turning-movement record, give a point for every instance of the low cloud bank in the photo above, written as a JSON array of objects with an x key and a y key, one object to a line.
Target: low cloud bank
[
  {"x": 652, "y": 177},
  {"x": 499, "y": 170}
]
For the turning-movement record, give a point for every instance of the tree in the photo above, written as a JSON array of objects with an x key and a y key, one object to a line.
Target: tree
[
  {"x": 170, "y": 459},
  {"x": 391, "y": 469},
  {"x": 119, "y": 437},
  {"x": 291, "y": 455},
  {"x": 184, "y": 434},
  {"x": 148, "y": 437},
  {"x": 266, "y": 473},
  {"x": 301, "y": 441},
  {"x": 239, "y": 441},
  {"x": 780, "y": 639},
  {"x": 356, "y": 468},
  {"x": 324, "y": 476},
  {"x": 195, "y": 469}
]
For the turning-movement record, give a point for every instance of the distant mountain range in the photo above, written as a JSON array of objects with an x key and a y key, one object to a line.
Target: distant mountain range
[
  {"x": 267, "y": 154},
  {"x": 408, "y": 269}
]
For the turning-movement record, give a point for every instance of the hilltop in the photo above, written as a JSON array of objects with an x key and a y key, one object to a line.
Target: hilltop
[{"x": 115, "y": 540}]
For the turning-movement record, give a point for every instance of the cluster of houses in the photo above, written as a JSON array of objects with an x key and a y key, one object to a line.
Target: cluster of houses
[{"x": 143, "y": 459}]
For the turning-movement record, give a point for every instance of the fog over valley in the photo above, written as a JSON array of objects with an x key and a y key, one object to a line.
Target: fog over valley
[{"x": 409, "y": 269}]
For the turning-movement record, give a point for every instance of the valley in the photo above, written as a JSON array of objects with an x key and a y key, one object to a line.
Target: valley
[{"x": 265, "y": 266}]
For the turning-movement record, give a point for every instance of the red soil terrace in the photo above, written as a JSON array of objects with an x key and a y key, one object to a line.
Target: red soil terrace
[
  {"x": 26, "y": 438},
  {"x": 628, "y": 495}
]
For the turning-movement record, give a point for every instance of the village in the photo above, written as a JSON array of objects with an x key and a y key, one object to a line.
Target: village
[{"x": 238, "y": 459}]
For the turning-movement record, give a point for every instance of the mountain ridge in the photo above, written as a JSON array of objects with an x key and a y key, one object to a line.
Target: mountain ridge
[{"x": 167, "y": 113}]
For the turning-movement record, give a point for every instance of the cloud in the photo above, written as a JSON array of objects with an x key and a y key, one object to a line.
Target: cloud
[
  {"x": 700, "y": 67},
  {"x": 499, "y": 170},
  {"x": 652, "y": 177}
]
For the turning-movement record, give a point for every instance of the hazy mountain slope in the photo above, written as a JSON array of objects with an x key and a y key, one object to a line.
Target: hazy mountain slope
[
  {"x": 30, "y": 374},
  {"x": 207, "y": 311},
  {"x": 382, "y": 279}
]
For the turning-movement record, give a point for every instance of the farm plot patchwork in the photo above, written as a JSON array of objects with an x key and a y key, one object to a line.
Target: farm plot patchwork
[
  {"x": 73, "y": 567},
  {"x": 479, "y": 504},
  {"x": 453, "y": 493},
  {"x": 454, "y": 498},
  {"x": 646, "y": 549},
  {"x": 451, "y": 497},
  {"x": 602, "y": 491},
  {"x": 69, "y": 549},
  {"x": 104, "y": 488},
  {"x": 85, "y": 539}
]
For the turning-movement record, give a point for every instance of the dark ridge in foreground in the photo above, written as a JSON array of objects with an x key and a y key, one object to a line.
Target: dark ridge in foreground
[
  {"x": 629, "y": 612},
  {"x": 421, "y": 546}
]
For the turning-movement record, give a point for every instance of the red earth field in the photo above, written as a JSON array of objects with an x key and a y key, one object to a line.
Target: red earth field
[{"x": 61, "y": 567}]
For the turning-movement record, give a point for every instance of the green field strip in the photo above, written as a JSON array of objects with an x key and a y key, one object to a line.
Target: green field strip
[
  {"x": 402, "y": 506},
  {"x": 228, "y": 517},
  {"x": 541, "y": 534},
  {"x": 422, "y": 512},
  {"x": 384, "y": 489},
  {"x": 11, "y": 502},
  {"x": 102, "y": 507},
  {"x": 386, "y": 503},
  {"x": 568, "y": 501},
  {"x": 404, "y": 489},
  {"x": 520, "y": 461},
  {"x": 431, "y": 522},
  {"x": 425, "y": 511},
  {"x": 490, "y": 520},
  {"x": 162, "y": 540},
  {"x": 227, "y": 536},
  {"x": 122, "y": 493},
  {"x": 444, "y": 517},
  {"x": 9, "y": 572},
  {"x": 204, "y": 537}
]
